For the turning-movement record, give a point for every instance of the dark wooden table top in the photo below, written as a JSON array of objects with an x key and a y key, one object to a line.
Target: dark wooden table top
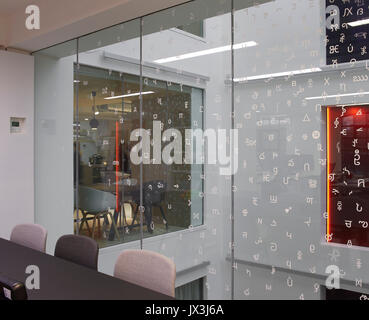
[{"x": 63, "y": 280}]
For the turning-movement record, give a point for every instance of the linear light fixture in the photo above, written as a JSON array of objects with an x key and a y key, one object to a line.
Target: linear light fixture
[
  {"x": 278, "y": 74},
  {"x": 201, "y": 53},
  {"x": 339, "y": 95},
  {"x": 129, "y": 95},
  {"x": 358, "y": 23}
]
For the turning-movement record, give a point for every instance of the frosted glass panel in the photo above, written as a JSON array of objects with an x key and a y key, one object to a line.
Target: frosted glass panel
[{"x": 282, "y": 89}]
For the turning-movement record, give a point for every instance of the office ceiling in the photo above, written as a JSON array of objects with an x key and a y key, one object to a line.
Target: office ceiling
[
  {"x": 8, "y": 7},
  {"x": 68, "y": 19}
]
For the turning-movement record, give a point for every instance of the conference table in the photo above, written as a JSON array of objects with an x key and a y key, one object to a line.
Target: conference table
[{"x": 63, "y": 280}]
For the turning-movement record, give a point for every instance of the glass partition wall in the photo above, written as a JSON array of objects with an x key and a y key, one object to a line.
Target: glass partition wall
[
  {"x": 228, "y": 135},
  {"x": 128, "y": 184},
  {"x": 108, "y": 173}
]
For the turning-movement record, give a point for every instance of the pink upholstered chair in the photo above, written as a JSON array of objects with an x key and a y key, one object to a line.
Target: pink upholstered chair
[
  {"x": 30, "y": 235},
  {"x": 147, "y": 269}
]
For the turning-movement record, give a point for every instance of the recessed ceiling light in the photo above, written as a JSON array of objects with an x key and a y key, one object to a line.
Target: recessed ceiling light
[
  {"x": 129, "y": 95},
  {"x": 207, "y": 52},
  {"x": 339, "y": 95},
  {"x": 278, "y": 74}
]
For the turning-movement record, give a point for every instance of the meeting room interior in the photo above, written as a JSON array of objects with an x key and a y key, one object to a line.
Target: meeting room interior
[{"x": 184, "y": 150}]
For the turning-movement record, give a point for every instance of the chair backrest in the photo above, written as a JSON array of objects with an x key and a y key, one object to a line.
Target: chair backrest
[
  {"x": 147, "y": 269},
  {"x": 95, "y": 201},
  {"x": 153, "y": 192},
  {"x": 78, "y": 249},
  {"x": 30, "y": 235}
]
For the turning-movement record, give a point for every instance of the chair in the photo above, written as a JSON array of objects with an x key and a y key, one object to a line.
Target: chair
[
  {"x": 78, "y": 249},
  {"x": 153, "y": 196},
  {"x": 30, "y": 235},
  {"x": 147, "y": 269},
  {"x": 97, "y": 204}
]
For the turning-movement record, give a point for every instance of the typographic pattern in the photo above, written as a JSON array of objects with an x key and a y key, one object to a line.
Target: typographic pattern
[
  {"x": 348, "y": 155},
  {"x": 346, "y": 42}
]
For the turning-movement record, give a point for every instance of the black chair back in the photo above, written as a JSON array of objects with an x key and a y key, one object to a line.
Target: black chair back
[
  {"x": 153, "y": 192},
  {"x": 78, "y": 249}
]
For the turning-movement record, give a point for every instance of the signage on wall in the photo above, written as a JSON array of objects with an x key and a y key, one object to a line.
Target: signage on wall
[
  {"x": 347, "y": 31},
  {"x": 348, "y": 175}
]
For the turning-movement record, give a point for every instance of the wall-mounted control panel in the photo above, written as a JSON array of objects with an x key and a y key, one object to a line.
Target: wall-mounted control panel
[{"x": 17, "y": 125}]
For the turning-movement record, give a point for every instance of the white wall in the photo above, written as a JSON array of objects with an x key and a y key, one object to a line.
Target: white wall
[
  {"x": 16, "y": 161},
  {"x": 54, "y": 146}
]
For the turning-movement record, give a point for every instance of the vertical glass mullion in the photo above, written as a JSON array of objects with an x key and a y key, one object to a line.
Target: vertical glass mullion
[
  {"x": 122, "y": 143},
  {"x": 233, "y": 151},
  {"x": 77, "y": 142},
  {"x": 141, "y": 125}
]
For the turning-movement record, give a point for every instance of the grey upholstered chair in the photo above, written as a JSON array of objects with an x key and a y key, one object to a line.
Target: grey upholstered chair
[
  {"x": 78, "y": 249},
  {"x": 147, "y": 269},
  {"x": 96, "y": 203},
  {"x": 30, "y": 235}
]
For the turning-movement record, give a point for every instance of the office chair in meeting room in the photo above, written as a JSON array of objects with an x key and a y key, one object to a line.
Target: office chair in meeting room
[
  {"x": 147, "y": 269},
  {"x": 78, "y": 249},
  {"x": 96, "y": 203},
  {"x": 32, "y": 236},
  {"x": 153, "y": 196}
]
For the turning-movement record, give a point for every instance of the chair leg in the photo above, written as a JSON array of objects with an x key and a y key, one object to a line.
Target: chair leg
[
  {"x": 134, "y": 216},
  {"x": 114, "y": 225},
  {"x": 99, "y": 226},
  {"x": 93, "y": 227},
  {"x": 164, "y": 217},
  {"x": 148, "y": 218},
  {"x": 84, "y": 221}
]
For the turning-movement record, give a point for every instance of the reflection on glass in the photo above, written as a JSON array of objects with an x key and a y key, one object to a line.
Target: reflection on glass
[{"x": 196, "y": 28}]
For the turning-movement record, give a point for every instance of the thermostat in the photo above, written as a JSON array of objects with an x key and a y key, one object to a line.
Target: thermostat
[{"x": 17, "y": 125}]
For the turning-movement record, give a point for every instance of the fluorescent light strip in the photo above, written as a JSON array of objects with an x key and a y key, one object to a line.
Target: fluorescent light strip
[
  {"x": 279, "y": 74},
  {"x": 129, "y": 95},
  {"x": 358, "y": 23},
  {"x": 339, "y": 95},
  {"x": 196, "y": 54}
]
